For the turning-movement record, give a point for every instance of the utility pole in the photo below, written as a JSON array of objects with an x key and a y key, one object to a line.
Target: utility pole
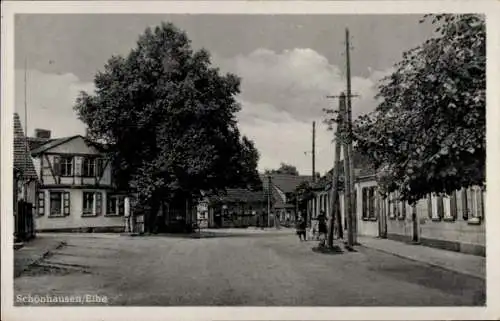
[
  {"x": 350, "y": 165},
  {"x": 348, "y": 209},
  {"x": 335, "y": 179},
  {"x": 314, "y": 152},
  {"x": 269, "y": 200}
]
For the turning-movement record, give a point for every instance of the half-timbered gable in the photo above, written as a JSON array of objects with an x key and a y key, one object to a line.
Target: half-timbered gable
[{"x": 72, "y": 161}]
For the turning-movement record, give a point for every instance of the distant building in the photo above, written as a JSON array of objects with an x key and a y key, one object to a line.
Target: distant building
[
  {"x": 236, "y": 208},
  {"x": 283, "y": 187}
]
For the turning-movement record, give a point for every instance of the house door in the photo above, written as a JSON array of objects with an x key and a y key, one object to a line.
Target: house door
[{"x": 218, "y": 219}]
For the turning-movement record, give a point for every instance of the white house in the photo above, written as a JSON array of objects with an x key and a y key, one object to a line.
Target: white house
[
  {"x": 76, "y": 190},
  {"x": 454, "y": 222}
]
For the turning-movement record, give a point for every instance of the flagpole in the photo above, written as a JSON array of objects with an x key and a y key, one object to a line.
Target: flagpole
[{"x": 26, "y": 128}]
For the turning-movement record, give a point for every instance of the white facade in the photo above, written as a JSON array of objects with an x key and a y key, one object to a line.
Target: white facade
[
  {"x": 76, "y": 189},
  {"x": 453, "y": 222}
]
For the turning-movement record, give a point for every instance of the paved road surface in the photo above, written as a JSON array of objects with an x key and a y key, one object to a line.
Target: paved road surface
[{"x": 241, "y": 269}]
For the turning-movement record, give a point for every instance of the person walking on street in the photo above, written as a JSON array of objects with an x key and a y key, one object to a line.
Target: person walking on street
[
  {"x": 322, "y": 229},
  {"x": 301, "y": 228}
]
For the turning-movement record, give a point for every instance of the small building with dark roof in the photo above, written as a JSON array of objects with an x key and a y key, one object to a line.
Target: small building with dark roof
[
  {"x": 237, "y": 207},
  {"x": 25, "y": 185}
]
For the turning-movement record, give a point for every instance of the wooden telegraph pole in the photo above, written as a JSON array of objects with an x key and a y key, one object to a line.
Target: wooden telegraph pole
[
  {"x": 269, "y": 193},
  {"x": 27, "y": 157},
  {"x": 349, "y": 166},
  {"x": 335, "y": 178},
  {"x": 314, "y": 152},
  {"x": 348, "y": 209}
]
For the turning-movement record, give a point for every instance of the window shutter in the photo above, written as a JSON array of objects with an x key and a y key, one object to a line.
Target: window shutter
[
  {"x": 483, "y": 199},
  {"x": 100, "y": 166},
  {"x": 371, "y": 203},
  {"x": 480, "y": 206},
  {"x": 98, "y": 203},
  {"x": 41, "y": 203},
  {"x": 465, "y": 205},
  {"x": 440, "y": 201},
  {"x": 453, "y": 207},
  {"x": 78, "y": 166},
  {"x": 429, "y": 205},
  {"x": 57, "y": 165},
  {"x": 365, "y": 212},
  {"x": 403, "y": 209},
  {"x": 397, "y": 209},
  {"x": 66, "y": 203}
]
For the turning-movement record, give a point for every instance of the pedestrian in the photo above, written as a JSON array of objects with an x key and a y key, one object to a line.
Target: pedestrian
[
  {"x": 301, "y": 229},
  {"x": 322, "y": 230},
  {"x": 313, "y": 231}
]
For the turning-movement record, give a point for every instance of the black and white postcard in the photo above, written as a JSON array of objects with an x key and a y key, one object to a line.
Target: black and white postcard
[{"x": 249, "y": 160}]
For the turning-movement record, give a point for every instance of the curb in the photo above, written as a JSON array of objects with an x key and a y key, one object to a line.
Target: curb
[
  {"x": 39, "y": 258},
  {"x": 426, "y": 263}
]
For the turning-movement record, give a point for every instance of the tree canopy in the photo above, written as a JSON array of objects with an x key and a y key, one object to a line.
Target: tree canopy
[
  {"x": 169, "y": 120},
  {"x": 427, "y": 135},
  {"x": 302, "y": 193},
  {"x": 284, "y": 169}
]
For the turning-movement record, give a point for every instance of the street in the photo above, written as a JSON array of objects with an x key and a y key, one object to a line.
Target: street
[{"x": 247, "y": 268}]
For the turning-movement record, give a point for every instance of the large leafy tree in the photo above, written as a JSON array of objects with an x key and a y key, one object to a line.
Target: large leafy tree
[
  {"x": 168, "y": 118},
  {"x": 428, "y": 133}
]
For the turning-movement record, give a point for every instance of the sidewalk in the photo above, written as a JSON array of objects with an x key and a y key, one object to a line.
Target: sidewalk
[
  {"x": 34, "y": 251},
  {"x": 458, "y": 262}
]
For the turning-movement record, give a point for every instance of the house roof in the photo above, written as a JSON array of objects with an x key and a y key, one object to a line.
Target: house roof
[
  {"x": 52, "y": 143},
  {"x": 22, "y": 160},
  {"x": 35, "y": 142},
  {"x": 362, "y": 168},
  {"x": 285, "y": 182},
  {"x": 237, "y": 195},
  {"x": 41, "y": 145}
]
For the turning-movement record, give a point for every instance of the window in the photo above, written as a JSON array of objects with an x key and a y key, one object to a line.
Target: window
[
  {"x": 92, "y": 203},
  {"x": 437, "y": 207},
  {"x": 364, "y": 192},
  {"x": 371, "y": 203},
  {"x": 88, "y": 203},
  {"x": 63, "y": 165},
  {"x": 121, "y": 206},
  {"x": 111, "y": 208},
  {"x": 59, "y": 204},
  {"x": 115, "y": 205},
  {"x": 89, "y": 167},
  {"x": 368, "y": 203},
  {"x": 474, "y": 205}
]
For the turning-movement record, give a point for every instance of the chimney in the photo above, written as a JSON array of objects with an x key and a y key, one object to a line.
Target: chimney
[{"x": 42, "y": 133}]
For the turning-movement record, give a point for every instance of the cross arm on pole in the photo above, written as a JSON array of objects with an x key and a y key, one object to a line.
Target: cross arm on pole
[{"x": 338, "y": 96}]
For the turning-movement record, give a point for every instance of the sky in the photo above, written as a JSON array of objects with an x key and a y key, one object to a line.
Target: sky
[{"x": 288, "y": 65}]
